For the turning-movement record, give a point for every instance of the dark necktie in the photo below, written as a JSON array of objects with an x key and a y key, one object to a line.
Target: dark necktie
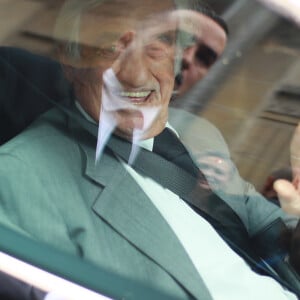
[{"x": 168, "y": 145}]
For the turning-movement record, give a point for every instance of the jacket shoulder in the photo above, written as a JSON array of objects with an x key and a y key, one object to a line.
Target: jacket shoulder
[{"x": 197, "y": 133}]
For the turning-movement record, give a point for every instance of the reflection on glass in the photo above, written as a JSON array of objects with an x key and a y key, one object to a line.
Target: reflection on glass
[
  {"x": 203, "y": 42},
  {"x": 144, "y": 215},
  {"x": 217, "y": 170}
]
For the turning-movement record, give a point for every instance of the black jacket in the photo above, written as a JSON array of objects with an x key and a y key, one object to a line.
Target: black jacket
[
  {"x": 13, "y": 289},
  {"x": 26, "y": 80}
]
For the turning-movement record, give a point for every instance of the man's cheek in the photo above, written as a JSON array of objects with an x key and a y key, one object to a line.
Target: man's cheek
[{"x": 88, "y": 92}]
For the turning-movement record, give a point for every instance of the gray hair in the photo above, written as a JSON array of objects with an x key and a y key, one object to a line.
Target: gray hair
[{"x": 67, "y": 26}]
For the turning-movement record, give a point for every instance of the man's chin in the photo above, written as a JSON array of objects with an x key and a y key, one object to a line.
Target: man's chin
[
  {"x": 126, "y": 134},
  {"x": 136, "y": 134},
  {"x": 132, "y": 134}
]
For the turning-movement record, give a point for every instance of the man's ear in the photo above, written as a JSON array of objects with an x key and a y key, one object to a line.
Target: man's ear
[{"x": 126, "y": 38}]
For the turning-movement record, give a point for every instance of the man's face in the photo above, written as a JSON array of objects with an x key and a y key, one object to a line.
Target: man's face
[
  {"x": 137, "y": 43},
  {"x": 207, "y": 45}
]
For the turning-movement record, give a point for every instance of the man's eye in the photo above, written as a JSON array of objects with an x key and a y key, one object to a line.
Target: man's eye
[
  {"x": 167, "y": 38},
  {"x": 156, "y": 51},
  {"x": 109, "y": 52},
  {"x": 206, "y": 55},
  {"x": 161, "y": 45},
  {"x": 98, "y": 53}
]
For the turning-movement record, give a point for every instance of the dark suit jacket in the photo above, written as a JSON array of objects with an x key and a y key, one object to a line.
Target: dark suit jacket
[
  {"x": 26, "y": 80},
  {"x": 13, "y": 289}
]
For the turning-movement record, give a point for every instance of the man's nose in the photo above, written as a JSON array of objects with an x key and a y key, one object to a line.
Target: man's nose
[{"x": 132, "y": 68}]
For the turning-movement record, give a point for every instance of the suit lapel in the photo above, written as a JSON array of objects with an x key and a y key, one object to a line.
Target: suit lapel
[{"x": 124, "y": 205}]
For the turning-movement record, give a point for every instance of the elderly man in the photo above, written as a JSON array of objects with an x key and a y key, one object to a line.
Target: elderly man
[{"x": 60, "y": 184}]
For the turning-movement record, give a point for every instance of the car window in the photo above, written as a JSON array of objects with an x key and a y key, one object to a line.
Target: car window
[{"x": 133, "y": 133}]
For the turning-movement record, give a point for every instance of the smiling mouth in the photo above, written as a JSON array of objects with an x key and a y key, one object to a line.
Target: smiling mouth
[{"x": 137, "y": 97}]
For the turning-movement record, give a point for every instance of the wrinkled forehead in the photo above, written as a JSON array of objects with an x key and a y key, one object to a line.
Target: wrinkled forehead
[
  {"x": 100, "y": 27},
  {"x": 108, "y": 18},
  {"x": 135, "y": 9}
]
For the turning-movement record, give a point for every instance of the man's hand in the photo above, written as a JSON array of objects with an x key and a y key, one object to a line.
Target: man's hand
[{"x": 289, "y": 192}]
